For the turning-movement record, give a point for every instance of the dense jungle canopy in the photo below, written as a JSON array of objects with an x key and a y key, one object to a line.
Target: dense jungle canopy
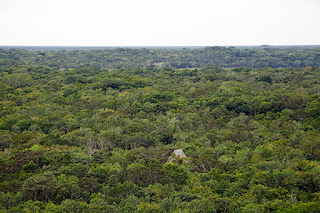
[{"x": 93, "y": 130}]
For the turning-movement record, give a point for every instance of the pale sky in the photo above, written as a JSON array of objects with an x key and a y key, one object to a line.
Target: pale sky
[{"x": 159, "y": 22}]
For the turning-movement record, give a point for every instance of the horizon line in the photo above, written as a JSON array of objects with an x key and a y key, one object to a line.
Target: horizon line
[{"x": 254, "y": 45}]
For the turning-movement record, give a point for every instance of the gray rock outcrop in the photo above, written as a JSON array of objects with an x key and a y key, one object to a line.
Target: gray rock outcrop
[{"x": 177, "y": 154}]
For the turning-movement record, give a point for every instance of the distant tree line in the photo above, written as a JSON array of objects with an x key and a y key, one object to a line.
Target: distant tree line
[{"x": 226, "y": 57}]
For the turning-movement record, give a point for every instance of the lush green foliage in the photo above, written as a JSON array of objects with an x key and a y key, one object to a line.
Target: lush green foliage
[
  {"x": 257, "y": 57},
  {"x": 98, "y": 140}
]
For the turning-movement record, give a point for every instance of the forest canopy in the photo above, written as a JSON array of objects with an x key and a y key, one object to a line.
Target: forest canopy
[
  {"x": 254, "y": 57},
  {"x": 88, "y": 131}
]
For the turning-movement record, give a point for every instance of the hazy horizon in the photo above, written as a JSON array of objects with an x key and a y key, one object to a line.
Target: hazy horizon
[{"x": 151, "y": 47}]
